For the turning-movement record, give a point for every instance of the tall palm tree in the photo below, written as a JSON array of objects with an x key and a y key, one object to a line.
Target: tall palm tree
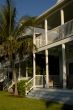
[{"x": 11, "y": 41}]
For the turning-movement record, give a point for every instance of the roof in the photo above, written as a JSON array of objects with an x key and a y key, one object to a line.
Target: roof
[{"x": 52, "y": 9}]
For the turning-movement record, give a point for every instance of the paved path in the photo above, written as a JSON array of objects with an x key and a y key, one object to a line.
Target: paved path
[{"x": 62, "y": 96}]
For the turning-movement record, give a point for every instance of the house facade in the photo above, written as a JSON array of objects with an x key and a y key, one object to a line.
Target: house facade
[{"x": 53, "y": 37}]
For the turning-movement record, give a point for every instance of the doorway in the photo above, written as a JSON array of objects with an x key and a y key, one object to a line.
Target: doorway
[{"x": 54, "y": 70}]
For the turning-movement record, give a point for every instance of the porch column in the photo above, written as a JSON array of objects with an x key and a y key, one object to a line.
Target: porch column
[
  {"x": 46, "y": 32},
  {"x": 26, "y": 72},
  {"x": 46, "y": 55},
  {"x": 63, "y": 53},
  {"x": 34, "y": 61},
  {"x": 64, "y": 65},
  {"x": 47, "y": 75},
  {"x": 62, "y": 16}
]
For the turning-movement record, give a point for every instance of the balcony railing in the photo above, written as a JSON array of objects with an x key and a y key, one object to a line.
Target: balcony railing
[{"x": 54, "y": 35}]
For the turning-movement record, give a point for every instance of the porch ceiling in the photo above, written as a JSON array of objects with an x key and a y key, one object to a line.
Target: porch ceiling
[
  {"x": 52, "y": 10},
  {"x": 53, "y": 15}
]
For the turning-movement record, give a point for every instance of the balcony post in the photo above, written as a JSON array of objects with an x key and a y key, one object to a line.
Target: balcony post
[
  {"x": 46, "y": 55},
  {"x": 62, "y": 16},
  {"x": 46, "y": 31},
  {"x": 62, "y": 22},
  {"x": 63, "y": 53},
  {"x": 26, "y": 72},
  {"x": 64, "y": 66},
  {"x": 47, "y": 69},
  {"x": 34, "y": 61}
]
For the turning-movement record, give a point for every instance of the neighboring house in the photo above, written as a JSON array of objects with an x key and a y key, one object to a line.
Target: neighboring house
[{"x": 53, "y": 37}]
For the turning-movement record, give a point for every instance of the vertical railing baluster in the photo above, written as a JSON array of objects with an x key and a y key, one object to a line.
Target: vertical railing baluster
[{"x": 55, "y": 34}]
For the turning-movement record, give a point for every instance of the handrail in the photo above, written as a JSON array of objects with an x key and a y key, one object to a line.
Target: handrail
[
  {"x": 29, "y": 86},
  {"x": 38, "y": 75},
  {"x": 50, "y": 30},
  {"x": 7, "y": 85},
  {"x": 59, "y": 26},
  {"x": 29, "y": 80},
  {"x": 38, "y": 83},
  {"x": 55, "y": 34}
]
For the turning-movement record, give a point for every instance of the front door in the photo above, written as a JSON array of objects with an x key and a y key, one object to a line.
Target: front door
[{"x": 54, "y": 70}]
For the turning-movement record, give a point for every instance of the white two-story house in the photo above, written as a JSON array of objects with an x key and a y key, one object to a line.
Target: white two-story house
[{"x": 53, "y": 37}]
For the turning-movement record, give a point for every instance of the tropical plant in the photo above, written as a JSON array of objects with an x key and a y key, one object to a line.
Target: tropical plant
[
  {"x": 22, "y": 87},
  {"x": 11, "y": 42}
]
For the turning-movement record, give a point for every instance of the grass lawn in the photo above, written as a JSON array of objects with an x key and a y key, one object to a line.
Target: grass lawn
[{"x": 9, "y": 102}]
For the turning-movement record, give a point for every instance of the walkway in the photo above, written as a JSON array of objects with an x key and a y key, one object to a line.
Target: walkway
[{"x": 62, "y": 96}]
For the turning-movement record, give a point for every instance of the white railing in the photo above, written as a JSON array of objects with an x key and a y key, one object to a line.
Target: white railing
[
  {"x": 40, "y": 41},
  {"x": 38, "y": 83},
  {"x": 55, "y": 34},
  {"x": 29, "y": 86},
  {"x": 2, "y": 77},
  {"x": 7, "y": 85},
  {"x": 23, "y": 78},
  {"x": 39, "y": 80}
]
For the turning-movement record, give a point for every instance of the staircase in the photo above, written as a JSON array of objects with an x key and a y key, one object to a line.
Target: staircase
[
  {"x": 57, "y": 95},
  {"x": 2, "y": 79}
]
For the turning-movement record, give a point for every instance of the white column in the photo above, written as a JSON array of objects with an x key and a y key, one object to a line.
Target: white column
[
  {"x": 62, "y": 16},
  {"x": 46, "y": 55},
  {"x": 46, "y": 31},
  {"x": 63, "y": 53},
  {"x": 64, "y": 66},
  {"x": 47, "y": 68},
  {"x": 62, "y": 21},
  {"x": 26, "y": 72},
  {"x": 34, "y": 61}
]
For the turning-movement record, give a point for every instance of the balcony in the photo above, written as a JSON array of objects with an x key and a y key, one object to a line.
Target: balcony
[{"x": 54, "y": 35}]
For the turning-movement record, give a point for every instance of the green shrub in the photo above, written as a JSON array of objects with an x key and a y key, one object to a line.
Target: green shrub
[{"x": 21, "y": 87}]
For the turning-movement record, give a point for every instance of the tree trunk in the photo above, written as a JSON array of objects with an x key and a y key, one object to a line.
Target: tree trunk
[{"x": 15, "y": 81}]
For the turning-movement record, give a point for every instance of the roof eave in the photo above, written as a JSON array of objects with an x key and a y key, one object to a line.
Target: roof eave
[{"x": 50, "y": 10}]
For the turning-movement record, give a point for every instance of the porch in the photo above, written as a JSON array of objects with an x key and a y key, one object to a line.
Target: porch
[
  {"x": 57, "y": 34},
  {"x": 56, "y": 67}
]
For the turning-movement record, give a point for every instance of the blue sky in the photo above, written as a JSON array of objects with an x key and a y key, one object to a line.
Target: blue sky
[{"x": 31, "y": 7}]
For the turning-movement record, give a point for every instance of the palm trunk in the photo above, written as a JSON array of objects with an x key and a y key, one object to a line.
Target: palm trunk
[
  {"x": 15, "y": 81},
  {"x": 14, "y": 77}
]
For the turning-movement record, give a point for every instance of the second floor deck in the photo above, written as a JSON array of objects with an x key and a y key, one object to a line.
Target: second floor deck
[{"x": 57, "y": 34}]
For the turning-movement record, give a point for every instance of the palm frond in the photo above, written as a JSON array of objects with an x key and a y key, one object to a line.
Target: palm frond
[
  {"x": 22, "y": 26},
  {"x": 7, "y": 19},
  {"x": 10, "y": 31}
]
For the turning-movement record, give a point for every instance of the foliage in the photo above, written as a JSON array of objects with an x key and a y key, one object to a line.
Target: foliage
[
  {"x": 11, "y": 32},
  {"x": 22, "y": 87},
  {"x": 13, "y": 38}
]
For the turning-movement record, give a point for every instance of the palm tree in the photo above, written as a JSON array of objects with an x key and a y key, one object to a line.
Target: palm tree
[{"x": 11, "y": 41}]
